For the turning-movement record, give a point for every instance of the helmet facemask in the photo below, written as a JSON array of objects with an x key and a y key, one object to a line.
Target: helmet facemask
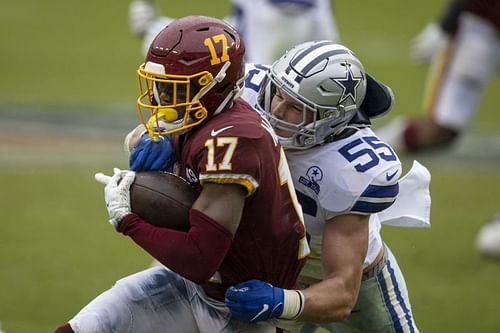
[
  {"x": 171, "y": 103},
  {"x": 289, "y": 134}
]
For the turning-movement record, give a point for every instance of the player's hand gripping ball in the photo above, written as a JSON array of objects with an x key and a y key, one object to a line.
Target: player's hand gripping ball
[{"x": 117, "y": 194}]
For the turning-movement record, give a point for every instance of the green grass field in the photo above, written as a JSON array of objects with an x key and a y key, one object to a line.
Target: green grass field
[{"x": 68, "y": 67}]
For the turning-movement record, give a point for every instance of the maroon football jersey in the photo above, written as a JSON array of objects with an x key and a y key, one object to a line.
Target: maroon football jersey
[{"x": 238, "y": 146}]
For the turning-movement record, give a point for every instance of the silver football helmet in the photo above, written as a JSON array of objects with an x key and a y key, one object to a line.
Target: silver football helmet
[{"x": 327, "y": 79}]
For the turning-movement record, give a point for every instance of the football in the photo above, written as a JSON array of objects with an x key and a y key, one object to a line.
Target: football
[{"x": 162, "y": 199}]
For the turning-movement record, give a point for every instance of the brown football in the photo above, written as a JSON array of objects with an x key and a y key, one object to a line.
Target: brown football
[{"x": 162, "y": 199}]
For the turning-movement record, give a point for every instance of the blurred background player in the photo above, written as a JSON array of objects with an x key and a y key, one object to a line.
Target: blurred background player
[
  {"x": 437, "y": 34},
  {"x": 246, "y": 221},
  {"x": 467, "y": 46},
  {"x": 268, "y": 27},
  {"x": 488, "y": 239},
  {"x": 460, "y": 73}
]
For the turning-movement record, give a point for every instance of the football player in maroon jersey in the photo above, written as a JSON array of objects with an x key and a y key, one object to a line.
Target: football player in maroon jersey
[{"x": 245, "y": 224}]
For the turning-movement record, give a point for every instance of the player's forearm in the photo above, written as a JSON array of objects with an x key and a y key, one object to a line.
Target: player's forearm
[
  {"x": 196, "y": 254},
  {"x": 330, "y": 300}
]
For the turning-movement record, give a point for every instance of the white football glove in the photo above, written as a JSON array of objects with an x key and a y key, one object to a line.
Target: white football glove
[
  {"x": 141, "y": 14},
  {"x": 117, "y": 194},
  {"x": 426, "y": 44}
]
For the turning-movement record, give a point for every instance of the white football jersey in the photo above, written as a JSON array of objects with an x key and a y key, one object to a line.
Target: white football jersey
[
  {"x": 255, "y": 75},
  {"x": 270, "y": 27},
  {"x": 357, "y": 174}
]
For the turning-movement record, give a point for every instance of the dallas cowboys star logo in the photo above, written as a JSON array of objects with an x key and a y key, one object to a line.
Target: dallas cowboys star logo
[{"x": 348, "y": 84}]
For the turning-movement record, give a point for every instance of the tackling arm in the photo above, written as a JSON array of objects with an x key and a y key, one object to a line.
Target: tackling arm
[{"x": 345, "y": 244}]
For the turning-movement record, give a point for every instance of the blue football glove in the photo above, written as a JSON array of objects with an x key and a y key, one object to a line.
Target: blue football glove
[
  {"x": 254, "y": 300},
  {"x": 149, "y": 155}
]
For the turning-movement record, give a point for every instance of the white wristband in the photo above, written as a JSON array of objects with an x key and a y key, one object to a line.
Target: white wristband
[{"x": 293, "y": 304}]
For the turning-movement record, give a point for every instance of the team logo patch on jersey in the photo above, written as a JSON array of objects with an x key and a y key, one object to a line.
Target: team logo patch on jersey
[
  {"x": 191, "y": 176},
  {"x": 313, "y": 176}
]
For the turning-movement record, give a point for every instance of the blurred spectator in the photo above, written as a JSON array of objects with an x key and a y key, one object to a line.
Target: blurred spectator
[
  {"x": 467, "y": 40},
  {"x": 488, "y": 239},
  {"x": 458, "y": 77},
  {"x": 437, "y": 34},
  {"x": 268, "y": 27}
]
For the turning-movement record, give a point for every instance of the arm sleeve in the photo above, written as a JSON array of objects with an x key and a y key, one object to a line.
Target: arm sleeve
[{"x": 196, "y": 254}]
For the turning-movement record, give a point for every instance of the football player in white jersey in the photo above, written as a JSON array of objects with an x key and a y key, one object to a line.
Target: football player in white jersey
[
  {"x": 268, "y": 27},
  {"x": 314, "y": 97},
  {"x": 319, "y": 99}
]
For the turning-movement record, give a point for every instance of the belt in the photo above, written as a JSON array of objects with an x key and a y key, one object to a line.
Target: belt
[{"x": 377, "y": 268}]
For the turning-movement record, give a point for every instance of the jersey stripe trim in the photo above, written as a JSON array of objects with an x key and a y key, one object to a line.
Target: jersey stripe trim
[
  {"x": 376, "y": 198},
  {"x": 377, "y": 191},
  {"x": 306, "y": 4},
  {"x": 365, "y": 207},
  {"x": 246, "y": 181}
]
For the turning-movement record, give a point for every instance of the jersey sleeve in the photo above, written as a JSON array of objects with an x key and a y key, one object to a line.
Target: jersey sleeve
[
  {"x": 366, "y": 178},
  {"x": 380, "y": 194},
  {"x": 230, "y": 160}
]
